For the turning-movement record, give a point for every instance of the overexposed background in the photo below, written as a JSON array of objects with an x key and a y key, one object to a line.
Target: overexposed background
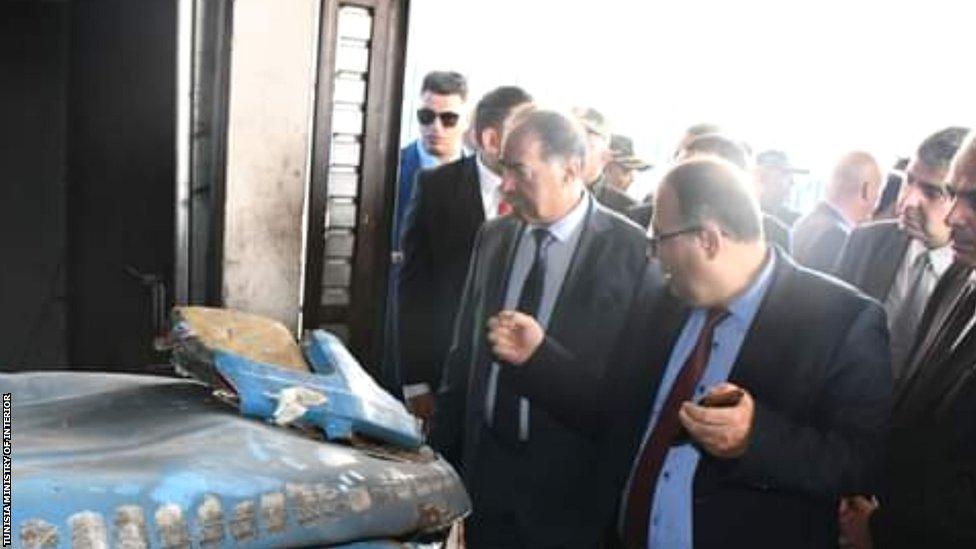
[{"x": 811, "y": 78}]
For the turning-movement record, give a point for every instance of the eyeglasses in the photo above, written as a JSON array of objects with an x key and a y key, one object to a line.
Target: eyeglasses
[
  {"x": 448, "y": 119},
  {"x": 654, "y": 242}
]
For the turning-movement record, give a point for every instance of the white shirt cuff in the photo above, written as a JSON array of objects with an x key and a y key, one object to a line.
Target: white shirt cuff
[{"x": 415, "y": 389}]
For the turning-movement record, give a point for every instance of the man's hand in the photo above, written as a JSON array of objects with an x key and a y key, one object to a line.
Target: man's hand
[
  {"x": 422, "y": 406},
  {"x": 722, "y": 432},
  {"x": 514, "y": 336},
  {"x": 853, "y": 515}
]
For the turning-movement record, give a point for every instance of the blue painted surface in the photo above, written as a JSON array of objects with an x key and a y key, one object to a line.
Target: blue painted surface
[
  {"x": 355, "y": 403},
  {"x": 86, "y": 442}
]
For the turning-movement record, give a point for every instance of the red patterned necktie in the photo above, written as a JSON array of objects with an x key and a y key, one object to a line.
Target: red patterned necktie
[
  {"x": 504, "y": 208},
  {"x": 656, "y": 448}
]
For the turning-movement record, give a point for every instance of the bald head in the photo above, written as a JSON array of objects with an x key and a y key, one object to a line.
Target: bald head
[
  {"x": 712, "y": 189},
  {"x": 854, "y": 185}
]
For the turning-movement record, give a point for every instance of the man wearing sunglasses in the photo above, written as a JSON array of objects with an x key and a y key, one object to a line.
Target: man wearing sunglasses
[
  {"x": 898, "y": 262},
  {"x": 442, "y": 103},
  {"x": 448, "y": 206}
]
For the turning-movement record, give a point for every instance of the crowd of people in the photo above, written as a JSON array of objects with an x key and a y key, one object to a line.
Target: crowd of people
[{"x": 703, "y": 368}]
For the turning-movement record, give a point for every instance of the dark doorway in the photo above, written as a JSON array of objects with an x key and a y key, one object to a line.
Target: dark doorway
[{"x": 121, "y": 173}]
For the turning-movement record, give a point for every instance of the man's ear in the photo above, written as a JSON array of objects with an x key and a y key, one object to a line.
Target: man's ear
[
  {"x": 491, "y": 140},
  {"x": 711, "y": 239},
  {"x": 572, "y": 170}
]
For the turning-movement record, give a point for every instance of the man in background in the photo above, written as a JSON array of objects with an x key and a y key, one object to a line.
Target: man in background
[
  {"x": 852, "y": 193},
  {"x": 930, "y": 499},
  {"x": 449, "y": 205},
  {"x": 898, "y": 262},
  {"x": 441, "y": 118},
  {"x": 774, "y": 179},
  {"x": 618, "y": 175}
]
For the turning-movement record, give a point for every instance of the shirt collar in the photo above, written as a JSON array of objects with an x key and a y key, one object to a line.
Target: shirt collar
[
  {"x": 745, "y": 305},
  {"x": 940, "y": 258},
  {"x": 562, "y": 229},
  {"x": 428, "y": 160},
  {"x": 489, "y": 180}
]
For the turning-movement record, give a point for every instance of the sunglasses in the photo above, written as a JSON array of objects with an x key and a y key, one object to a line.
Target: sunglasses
[{"x": 448, "y": 119}]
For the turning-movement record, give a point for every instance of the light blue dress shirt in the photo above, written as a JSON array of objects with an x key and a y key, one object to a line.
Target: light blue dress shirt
[
  {"x": 670, "y": 522},
  {"x": 565, "y": 237}
]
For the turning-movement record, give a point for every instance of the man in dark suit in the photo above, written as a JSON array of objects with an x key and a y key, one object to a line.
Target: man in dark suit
[
  {"x": 898, "y": 262},
  {"x": 795, "y": 364},
  {"x": 441, "y": 121},
  {"x": 931, "y": 495},
  {"x": 441, "y": 118},
  {"x": 448, "y": 206},
  {"x": 572, "y": 266},
  {"x": 852, "y": 192}
]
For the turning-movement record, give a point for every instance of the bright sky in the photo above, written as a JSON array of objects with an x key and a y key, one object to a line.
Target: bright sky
[{"x": 812, "y": 78}]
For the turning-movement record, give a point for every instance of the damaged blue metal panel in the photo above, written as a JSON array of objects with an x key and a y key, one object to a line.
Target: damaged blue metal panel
[
  {"x": 141, "y": 461},
  {"x": 354, "y": 404}
]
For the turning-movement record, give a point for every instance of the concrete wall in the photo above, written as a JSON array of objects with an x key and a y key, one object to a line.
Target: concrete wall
[{"x": 269, "y": 130}]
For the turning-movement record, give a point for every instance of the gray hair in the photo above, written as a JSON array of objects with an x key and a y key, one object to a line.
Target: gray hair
[{"x": 559, "y": 136}]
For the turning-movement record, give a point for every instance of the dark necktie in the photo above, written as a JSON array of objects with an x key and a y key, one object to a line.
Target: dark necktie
[
  {"x": 506, "y": 417},
  {"x": 655, "y": 450}
]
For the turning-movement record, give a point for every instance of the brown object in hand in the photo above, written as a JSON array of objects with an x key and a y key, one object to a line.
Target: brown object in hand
[{"x": 725, "y": 399}]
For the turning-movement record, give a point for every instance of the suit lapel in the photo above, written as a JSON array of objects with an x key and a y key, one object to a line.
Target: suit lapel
[
  {"x": 766, "y": 326},
  {"x": 467, "y": 194},
  {"x": 500, "y": 268},
  {"x": 891, "y": 256},
  {"x": 932, "y": 357}
]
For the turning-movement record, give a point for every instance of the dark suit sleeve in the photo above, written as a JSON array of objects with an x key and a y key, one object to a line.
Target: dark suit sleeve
[
  {"x": 822, "y": 254},
  {"x": 840, "y": 449},
  {"x": 415, "y": 292},
  {"x": 447, "y": 432}
]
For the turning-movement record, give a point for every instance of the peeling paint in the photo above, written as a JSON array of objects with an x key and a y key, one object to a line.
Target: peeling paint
[
  {"x": 430, "y": 516},
  {"x": 88, "y": 531},
  {"x": 210, "y": 517},
  {"x": 244, "y": 524},
  {"x": 130, "y": 528},
  {"x": 328, "y": 500},
  {"x": 305, "y": 501},
  {"x": 172, "y": 527},
  {"x": 359, "y": 500},
  {"x": 273, "y": 511},
  {"x": 38, "y": 534}
]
